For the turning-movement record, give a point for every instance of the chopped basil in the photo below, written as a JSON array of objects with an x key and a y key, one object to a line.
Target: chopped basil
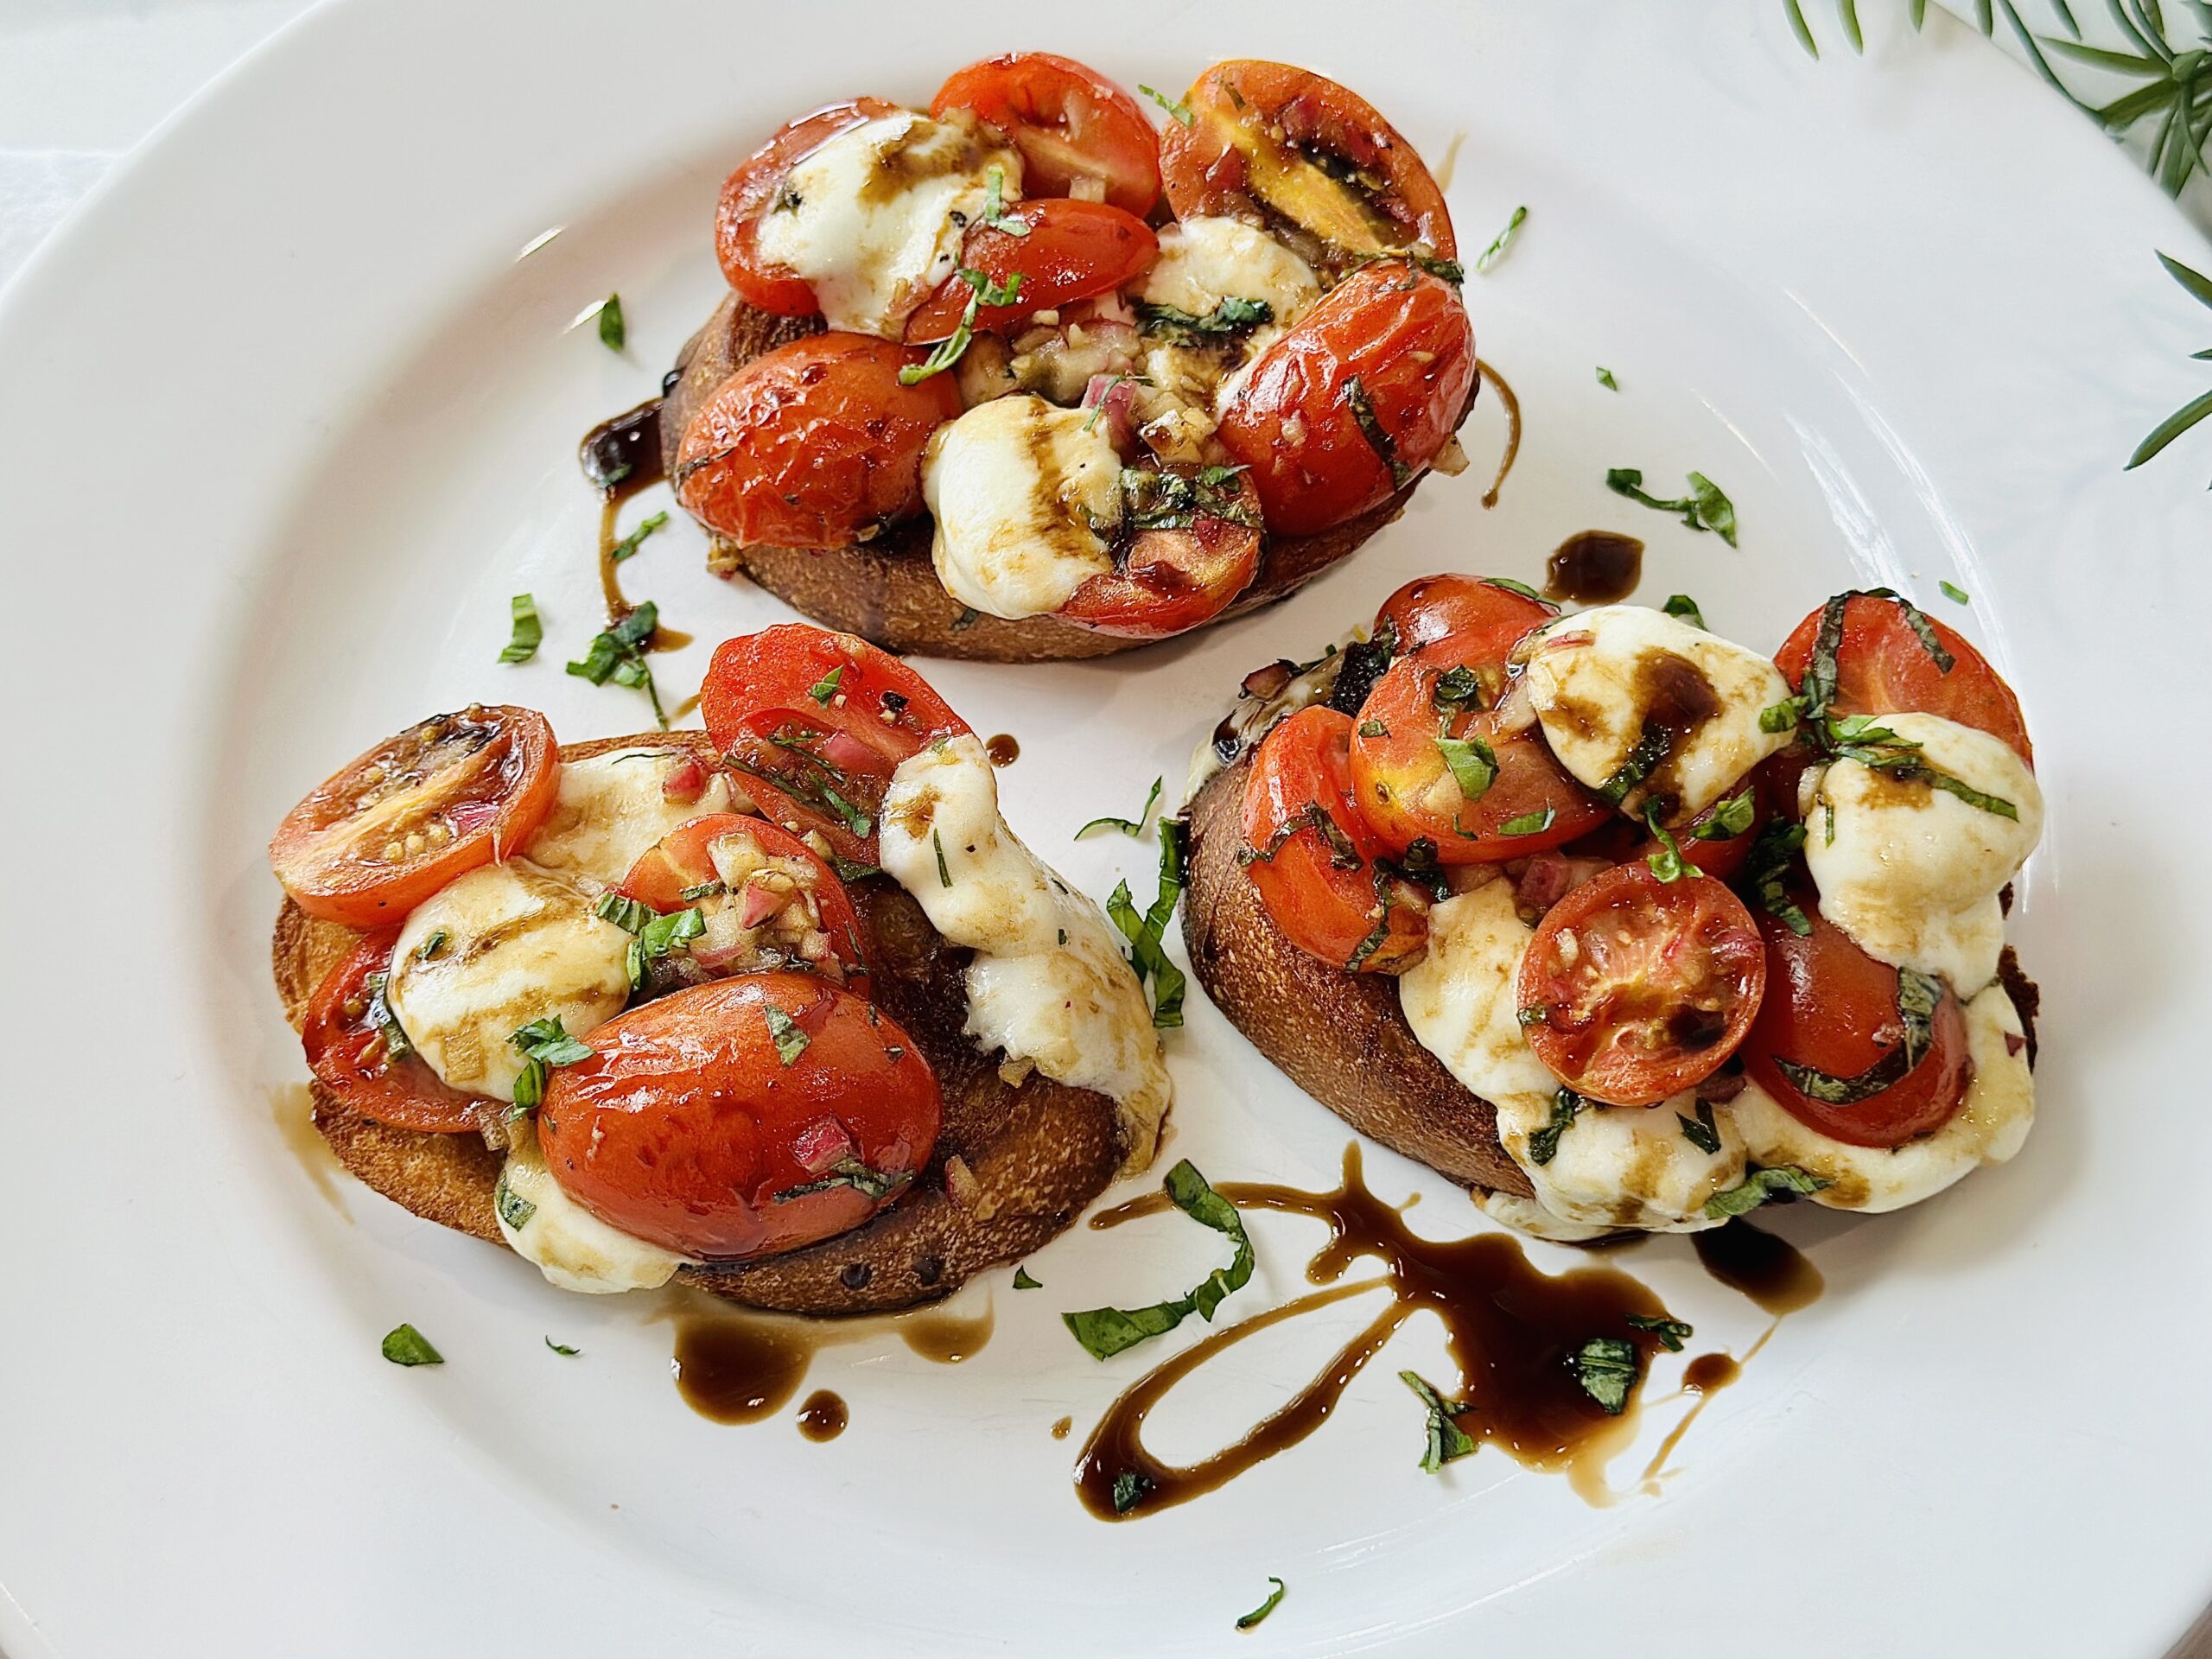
[
  {"x": 967, "y": 618},
  {"x": 1704, "y": 508},
  {"x": 1773, "y": 856},
  {"x": 1446, "y": 1439},
  {"x": 1231, "y": 316},
  {"x": 1457, "y": 690},
  {"x": 1529, "y": 823},
  {"x": 1653, "y": 745},
  {"x": 612, "y": 332},
  {"x": 1760, "y": 1186},
  {"x": 1134, "y": 827},
  {"x": 1341, "y": 853},
  {"x": 1023, "y": 1281},
  {"x": 1370, "y": 428},
  {"x": 405, "y": 1346},
  {"x": 1700, "y": 1131},
  {"x": 1957, "y": 596},
  {"x": 1922, "y": 629},
  {"x": 1064, "y": 935},
  {"x": 378, "y": 1014},
  {"x": 1779, "y": 717},
  {"x": 1105, "y": 1332},
  {"x": 948, "y": 350},
  {"x": 1605, "y": 380},
  {"x": 1130, "y": 1488},
  {"x": 826, "y": 687},
  {"x": 662, "y": 936},
  {"x": 1180, "y": 111},
  {"x": 636, "y": 539},
  {"x": 1504, "y": 239},
  {"x": 1373, "y": 729},
  {"x": 1543, "y": 1144},
  {"x": 943, "y": 875},
  {"x": 790, "y": 1042},
  {"x": 1386, "y": 878},
  {"x": 1918, "y": 996},
  {"x": 431, "y": 946},
  {"x": 1245, "y": 1622},
  {"x": 627, "y": 913},
  {"x": 1606, "y": 1369},
  {"x": 995, "y": 214},
  {"x": 1683, "y": 605},
  {"x": 561, "y": 1348},
  {"x": 713, "y": 889},
  {"x": 1472, "y": 762},
  {"x": 529, "y": 632},
  {"x": 1513, "y": 587},
  {"x": 514, "y": 1209},
  {"x": 545, "y": 1043},
  {"x": 1146, "y": 933},
  {"x": 848, "y": 870},
  {"x": 1163, "y": 500},
  {"x": 1728, "y": 820},
  {"x": 619, "y": 654},
  {"x": 872, "y": 1183},
  {"x": 1672, "y": 1333},
  {"x": 1668, "y": 863}
]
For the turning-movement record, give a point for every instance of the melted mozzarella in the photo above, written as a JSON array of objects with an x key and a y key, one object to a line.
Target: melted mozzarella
[
  {"x": 1911, "y": 872},
  {"x": 1596, "y": 678},
  {"x": 1016, "y": 485},
  {"x": 612, "y": 807},
  {"x": 1989, "y": 1127},
  {"x": 1459, "y": 999},
  {"x": 1526, "y": 1216},
  {"x": 573, "y": 1248},
  {"x": 1204, "y": 261},
  {"x": 1048, "y": 983},
  {"x": 520, "y": 943},
  {"x": 878, "y": 214}
]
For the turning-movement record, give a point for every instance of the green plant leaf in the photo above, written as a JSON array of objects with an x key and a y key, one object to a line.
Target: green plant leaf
[
  {"x": 2170, "y": 428},
  {"x": 2198, "y": 284}
]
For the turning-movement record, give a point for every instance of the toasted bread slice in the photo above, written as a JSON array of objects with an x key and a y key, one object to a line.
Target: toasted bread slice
[
  {"x": 1014, "y": 1164},
  {"x": 886, "y": 590}
]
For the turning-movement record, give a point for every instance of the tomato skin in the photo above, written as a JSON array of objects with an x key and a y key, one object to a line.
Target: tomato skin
[
  {"x": 1325, "y": 901},
  {"x": 686, "y": 1124},
  {"x": 813, "y": 444},
  {"x": 1634, "y": 990},
  {"x": 348, "y": 1058},
  {"x": 682, "y": 859},
  {"x": 1832, "y": 1006},
  {"x": 880, "y": 712},
  {"x": 1883, "y": 669},
  {"x": 1067, "y": 120},
  {"x": 1073, "y": 250},
  {"x": 471, "y": 786},
  {"x": 1403, "y": 335},
  {"x": 1428, "y": 608},
  {"x": 1171, "y": 581},
  {"x": 1237, "y": 105},
  {"x": 751, "y": 190}
]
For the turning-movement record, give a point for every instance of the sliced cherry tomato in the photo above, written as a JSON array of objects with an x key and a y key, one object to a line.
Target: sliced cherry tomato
[
  {"x": 813, "y": 444},
  {"x": 1168, "y": 580},
  {"x": 1317, "y": 865},
  {"x": 1267, "y": 136},
  {"x": 1355, "y": 400},
  {"x": 745, "y": 1117},
  {"x": 1835, "y": 1008},
  {"x": 1882, "y": 668},
  {"x": 818, "y": 721},
  {"x": 397, "y": 823},
  {"x": 767, "y": 899},
  {"x": 353, "y": 1054},
  {"x": 751, "y": 191},
  {"x": 1427, "y": 608},
  {"x": 1068, "y": 121},
  {"x": 1636, "y": 988},
  {"x": 1073, "y": 251}
]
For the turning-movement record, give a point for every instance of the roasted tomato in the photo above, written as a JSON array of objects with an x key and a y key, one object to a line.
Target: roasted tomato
[
  {"x": 765, "y": 898},
  {"x": 1355, "y": 400},
  {"x": 1070, "y": 123},
  {"x": 1838, "y": 1022},
  {"x": 1884, "y": 668},
  {"x": 1069, "y": 250},
  {"x": 813, "y": 444},
  {"x": 356, "y": 1051},
  {"x": 751, "y": 192},
  {"x": 746, "y": 1116},
  {"x": 1201, "y": 549},
  {"x": 818, "y": 721},
  {"x": 398, "y": 822},
  {"x": 1267, "y": 139},
  {"x": 1320, "y": 869},
  {"x": 1436, "y": 759},
  {"x": 1636, "y": 988}
]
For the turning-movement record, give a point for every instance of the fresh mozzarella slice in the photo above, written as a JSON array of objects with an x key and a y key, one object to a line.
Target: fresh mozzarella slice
[
  {"x": 1021, "y": 489},
  {"x": 1632, "y": 697},
  {"x": 1459, "y": 998},
  {"x": 876, "y": 216},
  {"x": 1912, "y": 871},
  {"x": 505, "y": 945},
  {"x": 1526, "y": 1216},
  {"x": 1204, "y": 261},
  {"x": 573, "y": 1248},
  {"x": 1048, "y": 983},
  {"x": 1989, "y": 1127},
  {"x": 613, "y": 807}
]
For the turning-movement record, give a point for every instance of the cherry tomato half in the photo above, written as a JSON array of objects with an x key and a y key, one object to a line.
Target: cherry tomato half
[
  {"x": 1882, "y": 668},
  {"x": 1171, "y": 578},
  {"x": 767, "y": 899},
  {"x": 751, "y": 190},
  {"x": 1314, "y": 858},
  {"x": 1427, "y": 608},
  {"x": 1355, "y": 400},
  {"x": 813, "y": 444},
  {"x": 1072, "y": 250},
  {"x": 1255, "y": 130},
  {"x": 351, "y": 1055},
  {"x": 395, "y": 825},
  {"x": 745, "y": 1116},
  {"x": 1068, "y": 121},
  {"x": 1635, "y": 989},
  {"x": 818, "y": 721},
  {"x": 1835, "y": 1008}
]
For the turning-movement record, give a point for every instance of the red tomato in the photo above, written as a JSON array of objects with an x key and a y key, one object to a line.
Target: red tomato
[
  {"x": 1314, "y": 858},
  {"x": 350, "y": 1055},
  {"x": 1882, "y": 668},
  {"x": 1835, "y": 1008},
  {"x": 1355, "y": 400},
  {"x": 773, "y": 901},
  {"x": 1069, "y": 122},
  {"x": 1427, "y": 608},
  {"x": 813, "y": 444},
  {"x": 397, "y": 823},
  {"x": 751, "y": 191},
  {"x": 818, "y": 721},
  {"x": 1173, "y": 578},
  {"x": 1256, "y": 129},
  {"x": 1636, "y": 988},
  {"x": 742, "y": 1117},
  {"x": 1073, "y": 250}
]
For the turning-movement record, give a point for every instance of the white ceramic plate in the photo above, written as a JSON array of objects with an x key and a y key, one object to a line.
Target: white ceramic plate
[{"x": 285, "y": 419}]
